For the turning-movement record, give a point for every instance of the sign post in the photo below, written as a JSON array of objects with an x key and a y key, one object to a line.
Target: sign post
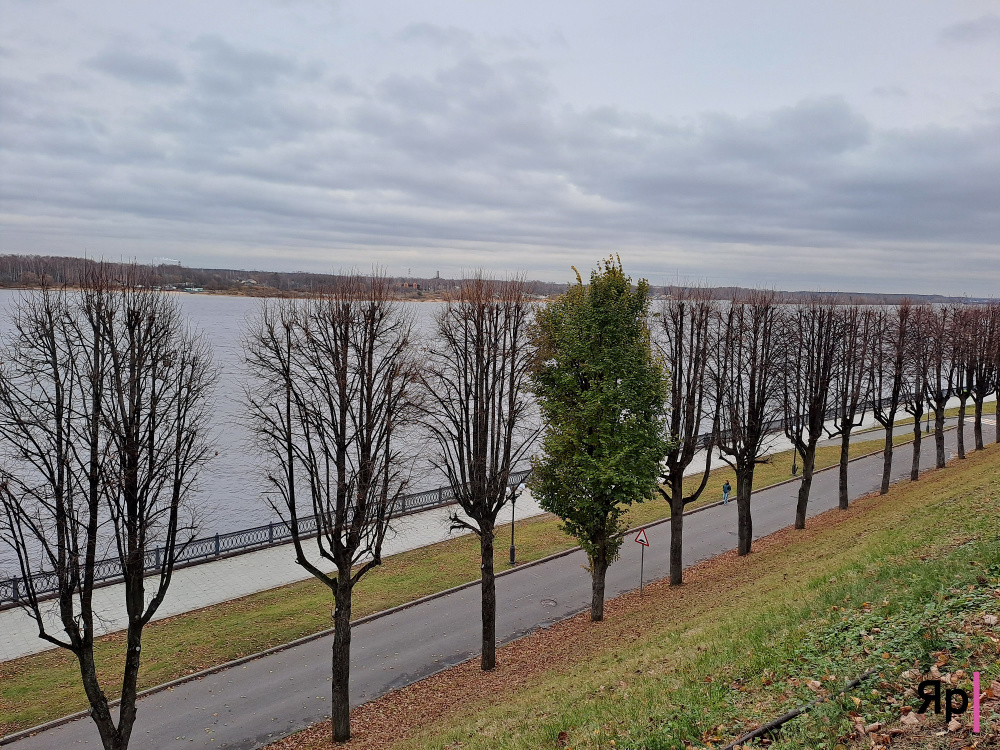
[{"x": 641, "y": 539}]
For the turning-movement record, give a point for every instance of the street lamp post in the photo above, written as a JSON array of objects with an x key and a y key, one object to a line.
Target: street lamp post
[{"x": 515, "y": 492}]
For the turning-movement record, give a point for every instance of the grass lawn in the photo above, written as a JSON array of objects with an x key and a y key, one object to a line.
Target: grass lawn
[
  {"x": 45, "y": 686},
  {"x": 904, "y": 584}
]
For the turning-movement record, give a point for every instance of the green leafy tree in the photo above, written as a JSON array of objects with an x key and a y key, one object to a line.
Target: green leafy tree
[{"x": 602, "y": 393}]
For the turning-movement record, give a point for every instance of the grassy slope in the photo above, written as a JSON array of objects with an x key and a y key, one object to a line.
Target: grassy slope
[
  {"x": 896, "y": 583},
  {"x": 44, "y": 686}
]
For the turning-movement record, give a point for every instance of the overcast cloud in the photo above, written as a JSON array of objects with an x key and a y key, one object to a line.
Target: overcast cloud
[{"x": 797, "y": 145}]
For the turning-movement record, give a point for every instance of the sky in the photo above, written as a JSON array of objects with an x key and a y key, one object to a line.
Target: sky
[{"x": 794, "y": 144}]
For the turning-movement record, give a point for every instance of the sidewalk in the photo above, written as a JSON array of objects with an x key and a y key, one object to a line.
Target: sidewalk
[{"x": 200, "y": 586}]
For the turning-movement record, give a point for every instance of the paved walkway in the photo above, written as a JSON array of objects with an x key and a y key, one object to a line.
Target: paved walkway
[{"x": 256, "y": 703}]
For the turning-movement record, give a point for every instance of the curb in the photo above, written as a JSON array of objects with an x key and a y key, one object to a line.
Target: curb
[{"x": 11, "y": 738}]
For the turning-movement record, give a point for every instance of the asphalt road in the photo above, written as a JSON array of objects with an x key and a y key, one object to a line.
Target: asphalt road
[{"x": 251, "y": 705}]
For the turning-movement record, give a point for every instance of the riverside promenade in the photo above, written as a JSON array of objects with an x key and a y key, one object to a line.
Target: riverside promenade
[
  {"x": 254, "y": 703},
  {"x": 203, "y": 585}
]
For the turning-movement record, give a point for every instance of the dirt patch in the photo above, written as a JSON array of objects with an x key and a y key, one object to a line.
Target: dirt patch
[{"x": 928, "y": 732}]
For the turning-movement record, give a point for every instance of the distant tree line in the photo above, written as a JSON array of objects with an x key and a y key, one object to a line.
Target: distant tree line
[
  {"x": 33, "y": 271},
  {"x": 615, "y": 397}
]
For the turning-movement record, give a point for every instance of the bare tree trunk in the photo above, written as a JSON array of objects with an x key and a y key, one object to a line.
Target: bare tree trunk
[
  {"x": 489, "y": 590},
  {"x": 744, "y": 487},
  {"x": 961, "y": 428},
  {"x": 676, "y": 530},
  {"x": 340, "y": 709},
  {"x": 917, "y": 437},
  {"x": 886, "y": 461},
  {"x": 802, "y": 505},
  {"x": 130, "y": 678},
  {"x": 598, "y": 572},
  {"x": 99, "y": 710},
  {"x": 939, "y": 436},
  {"x": 979, "y": 422},
  {"x": 845, "y": 457}
]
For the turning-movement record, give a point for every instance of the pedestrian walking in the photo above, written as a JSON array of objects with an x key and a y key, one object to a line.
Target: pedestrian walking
[{"x": 726, "y": 489}]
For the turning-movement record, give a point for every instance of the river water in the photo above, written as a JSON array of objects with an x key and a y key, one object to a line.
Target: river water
[{"x": 228, "y": 496}]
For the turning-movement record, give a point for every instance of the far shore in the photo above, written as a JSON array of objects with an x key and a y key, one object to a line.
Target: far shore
[{"x": 246, "y": 293}]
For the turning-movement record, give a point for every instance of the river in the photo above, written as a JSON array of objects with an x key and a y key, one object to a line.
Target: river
[{"x": 228, "y": 496}]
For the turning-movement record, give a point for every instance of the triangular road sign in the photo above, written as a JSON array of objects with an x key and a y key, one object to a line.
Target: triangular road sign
[{"x": 640, "y": 538}]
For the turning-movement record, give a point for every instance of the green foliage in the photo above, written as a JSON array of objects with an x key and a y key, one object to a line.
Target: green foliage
[{"x": 602, "y": 392}]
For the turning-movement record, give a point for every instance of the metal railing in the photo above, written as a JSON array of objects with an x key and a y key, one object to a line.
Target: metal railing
[{"x": 206, "y": 549}]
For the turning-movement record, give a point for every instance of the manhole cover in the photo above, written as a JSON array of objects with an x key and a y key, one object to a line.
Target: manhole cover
[{"x": 548, "y": 602}]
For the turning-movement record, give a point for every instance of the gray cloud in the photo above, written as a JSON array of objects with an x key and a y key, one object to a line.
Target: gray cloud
[
  {"x": 890, "y": 92},
  {"x": 137, "y": 69},
  {"x": 226, "y": 70},
  {"x": 257, "y": 154},
  {"x": 441, "y": 37},
  {"x": 983, "y": 29}
]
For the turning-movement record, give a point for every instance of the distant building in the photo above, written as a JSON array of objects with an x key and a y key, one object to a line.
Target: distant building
[{"x": 410, "y": 285}]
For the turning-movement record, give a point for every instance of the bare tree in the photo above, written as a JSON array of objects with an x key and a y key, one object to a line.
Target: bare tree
[
  {"x": 332, "y": 388},
  {"x": 920, "y": 359},
  {"x": 479, "y": 413},
  {"x": 103, "y": 429},
  {"x": 809, "y": 340},
  {"x": 986, "y": 340},
  {"x": 964, "y": 330},
  {"x": 941, "y": 376},
  {"x": 745, "y": 374},
  {"x": 888, "y": 374},
  {"x": 687, "y": 326},
  {"x": 851, "y": 382}
]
